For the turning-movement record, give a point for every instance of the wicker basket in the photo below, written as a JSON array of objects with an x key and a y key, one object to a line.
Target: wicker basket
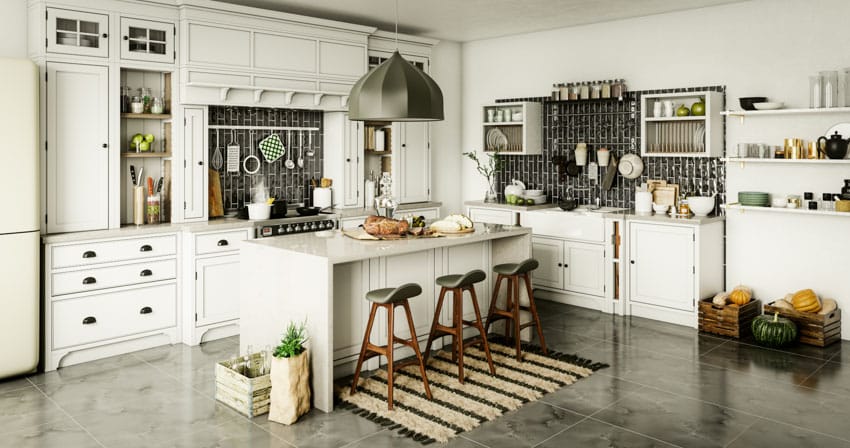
[
  {"x": 819, "y": 330},
  {"x": 728, "y": 320},
  {"x": 244, "y": 390}
]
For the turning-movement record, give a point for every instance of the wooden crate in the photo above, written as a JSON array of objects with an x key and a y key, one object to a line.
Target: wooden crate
[
  {"x": 247, "y": 394},
  {"x": 814, "y": 329},
  {"x": 728, "y": 320}
]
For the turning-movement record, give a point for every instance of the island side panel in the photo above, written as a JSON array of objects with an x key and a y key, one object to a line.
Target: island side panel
[
  {"x": 279, "y": 286},
  {"x": 511, "y": 250}
]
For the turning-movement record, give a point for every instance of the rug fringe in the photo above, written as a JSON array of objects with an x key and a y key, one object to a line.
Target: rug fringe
[{"x": 560, "y": 356}]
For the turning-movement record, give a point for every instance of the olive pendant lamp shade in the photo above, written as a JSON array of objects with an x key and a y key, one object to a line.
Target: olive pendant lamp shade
[{"x": 395, "y": 91}]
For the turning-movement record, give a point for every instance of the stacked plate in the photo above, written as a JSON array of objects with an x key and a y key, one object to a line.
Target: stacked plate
[{"x": 754, "y": 198}]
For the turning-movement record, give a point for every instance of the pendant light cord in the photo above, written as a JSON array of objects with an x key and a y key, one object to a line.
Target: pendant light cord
[{"x": 396, "y": 25}]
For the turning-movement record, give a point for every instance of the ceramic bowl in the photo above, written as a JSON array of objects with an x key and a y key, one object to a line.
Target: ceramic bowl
[
  {"x": 701, "y": 205},
  {"x": 534, "y": 192},
  {"x": 748, "y": 101},
  {"x": 259, "y": 211},
  {"x": 768, "y": 105},
  {"x": 660, "y": 208},
  {"x": 631, "y": 166}
]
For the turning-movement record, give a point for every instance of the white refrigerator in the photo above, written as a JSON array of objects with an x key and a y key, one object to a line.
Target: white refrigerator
[{"x": 19, "y": 220}]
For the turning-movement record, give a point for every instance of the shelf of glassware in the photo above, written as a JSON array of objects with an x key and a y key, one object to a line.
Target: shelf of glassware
[
  {"x": 782, "y": 210},
  {"x": 520, "y": 133},
  {"x": 682, "y": 136},
  {"x": 745, "y": 160},
  {"x": 802, "y": 111}
]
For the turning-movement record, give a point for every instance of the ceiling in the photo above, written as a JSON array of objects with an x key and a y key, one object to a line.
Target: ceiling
[{"x": 465, "y": 20}]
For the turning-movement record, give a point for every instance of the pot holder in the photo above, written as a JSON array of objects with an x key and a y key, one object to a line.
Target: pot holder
[{"x": 272, "y": 148}]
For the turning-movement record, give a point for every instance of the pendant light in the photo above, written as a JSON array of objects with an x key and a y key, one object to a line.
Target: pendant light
[{"x": 395, "y": 90}]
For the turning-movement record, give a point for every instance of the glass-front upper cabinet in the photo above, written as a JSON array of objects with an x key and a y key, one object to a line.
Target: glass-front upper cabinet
[
  {"x": 77, "y": 32},
  {"x": 144, "y": 40}
]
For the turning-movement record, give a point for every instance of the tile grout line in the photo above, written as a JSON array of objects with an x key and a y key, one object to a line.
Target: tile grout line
[
  {"x": 634, "y": 432},
  {"x": 728, "y": 444},
  {"x": 561, "y": 431},
  {"x": 461, "y": 436},
  {"x": 812, "y": 374},
  {"x": 68, "y": 414},
  {"x": 364, "y": 437}
]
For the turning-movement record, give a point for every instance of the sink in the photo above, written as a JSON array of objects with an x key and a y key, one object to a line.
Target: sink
[{"x": 584, "y": 210}]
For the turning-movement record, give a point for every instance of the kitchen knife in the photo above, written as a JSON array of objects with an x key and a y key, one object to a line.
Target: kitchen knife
[
  {"x": 133, "y": 175},
  {"x": 159, "y": 185},
  {"x": 140, "y": 177}
]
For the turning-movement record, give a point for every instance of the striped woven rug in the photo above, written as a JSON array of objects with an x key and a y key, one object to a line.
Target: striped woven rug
[{"x": 456, "y": 407}]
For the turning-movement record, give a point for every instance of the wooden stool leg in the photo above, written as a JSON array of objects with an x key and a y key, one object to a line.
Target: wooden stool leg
[
  {"x": 515, "y": 312},
  {"x": 455, "y": 325},
  {"x": 457, "y": 297},
  {"x": 480, "y": 328},
  {"x": 509, "y": 303},
  {"x": 416, "y": 348},
  {"x": 492, "y": 307},
  {"x": 431, "y": 335},
  {"x": 366, "y": 338},
  {"x": 390, "y": 344},
  {"x": 534, "y": 314}
]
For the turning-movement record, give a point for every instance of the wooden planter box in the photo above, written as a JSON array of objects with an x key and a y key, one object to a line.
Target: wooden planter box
[
  {"x": 814, "y": 329},
  {"x": 728, "y": 320},
  {"x": 247, "y": 394}
]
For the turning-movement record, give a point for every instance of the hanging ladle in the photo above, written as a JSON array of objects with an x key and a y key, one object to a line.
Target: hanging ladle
[
  {"x": 310, "y": 152},
  {"x": 300, "y": 149},
  {"x": 289, "y": 164}
]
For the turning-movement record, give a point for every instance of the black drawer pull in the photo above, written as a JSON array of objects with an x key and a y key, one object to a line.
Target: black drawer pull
[
  {"x": 559, "y": 264},
  {"x": 145, "y": 248},
  {"x": 89, "y": 281},
  {"x": 89, "y": 254},
  {"x": 223, "y": 243},
  {"x": 146, "y": 273},
  {"x": 89, "y": 320},
  {"x": 146, "y": 310}
]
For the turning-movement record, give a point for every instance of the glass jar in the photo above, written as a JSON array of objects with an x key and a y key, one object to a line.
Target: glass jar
[
  {"x": 152, "y": 209},
  {"x": 829, "y": 88},
  {"x": 618, "y": 88},
  {"x": 584, "y": 91},
  {"x": 826, "y": 203},
  {"x": 556, "y": 92},
  {"x": 606, "y": 89},
  {"x": 125, "y": 99},
  {"x": 564, "y": 91},
  {"x": 145, "y": 93},
  {"x": 136, "y": 105},
  {"x": 595, "y": 90},
  {"x": 157, "y": 106},
  {"x": 815, "y": 92},
  {"x": 575, "y": 92}
]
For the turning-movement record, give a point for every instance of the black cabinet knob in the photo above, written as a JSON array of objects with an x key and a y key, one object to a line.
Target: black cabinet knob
[
  {"x": 105, "y": 35},
  {"x": 89, "y": 281},
  {"x": 126, "y": 37},
  {"x": 89, "y": 254},
  {"x": 146, "y": 248},
  {"x": 560, "y": 264},
  {"x": 146, "y": 310},
  {"x": 566, "y": 265},
  {"x": 632, "y": 262},
  {"x": 223, "y": 243},
  {"x": 348, "y": 160},
  {"x": 89, "y": 320},
  {"x": 200, "y": 163},
  {"x": 146, "y": 273},
  {"x": 105, "y": 145}
]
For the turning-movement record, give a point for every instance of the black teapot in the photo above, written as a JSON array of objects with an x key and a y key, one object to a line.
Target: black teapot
[{"x": 835, "y": 147}]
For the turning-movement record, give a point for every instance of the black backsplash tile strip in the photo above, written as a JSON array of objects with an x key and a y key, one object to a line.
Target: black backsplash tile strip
[
  {"x": 292, "y": 185},
  {"x": 615, "y": 125}
]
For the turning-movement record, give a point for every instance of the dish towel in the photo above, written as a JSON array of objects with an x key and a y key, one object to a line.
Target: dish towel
[{"x": 272, "y": 148}]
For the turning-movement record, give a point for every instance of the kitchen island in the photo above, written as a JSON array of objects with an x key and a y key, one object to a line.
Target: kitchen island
[{"x": 323, "y": 277}]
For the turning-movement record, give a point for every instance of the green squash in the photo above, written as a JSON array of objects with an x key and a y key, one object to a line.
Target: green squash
[{"x": 774, "y": 331}]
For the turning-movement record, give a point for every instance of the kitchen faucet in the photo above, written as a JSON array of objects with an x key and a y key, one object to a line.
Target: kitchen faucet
[{"x": 597, "y": 197}]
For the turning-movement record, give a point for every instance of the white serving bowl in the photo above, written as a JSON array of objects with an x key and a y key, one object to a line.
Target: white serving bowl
[
  {"x": 259, "y": 211},
  {"x": 779, "y": 202},
  {"x": 660, "y": 208},
  {"x": 701, "y": 205},
  {"x": 534, "y": 192},
  {"x": 768, "y": 105}
]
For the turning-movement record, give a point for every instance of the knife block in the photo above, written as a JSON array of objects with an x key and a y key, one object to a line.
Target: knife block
[{"x": 138, "y": 205}]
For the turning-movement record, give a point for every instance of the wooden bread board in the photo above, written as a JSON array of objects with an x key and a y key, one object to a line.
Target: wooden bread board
[
  {"x": 360, "y": 234},
  {"x": 665, "y": 194}
]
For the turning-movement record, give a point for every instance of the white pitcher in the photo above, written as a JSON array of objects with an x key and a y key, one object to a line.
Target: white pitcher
[{"x": 668, "y": 108}]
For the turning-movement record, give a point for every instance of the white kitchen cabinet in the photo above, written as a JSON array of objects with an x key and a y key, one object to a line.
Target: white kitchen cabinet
[
  {"x": 417, "y": 267},
  {"x": 662, "y": 267},
  {"x": 549, "y": 252},
  {"x": 460, "y": 260},
  {"x": 78, "y": 185},
  {"x": 216, "y": 289},
  {"x": 342, "y": 59},
  {"x": 350, "y": 301},
  {"x": 146, "y": 40},
  {"x": 412, "y": 160},
  {"x": 77, "y": 33},
  {"x": 571, "y": 266},
  {"x": 217, "y": 46},
  {"x": 194, "y": 164},
  {"x": 285, "y": 53},
  {"x": 492, "y": 216},
  {"x": 343, "y": 159}
]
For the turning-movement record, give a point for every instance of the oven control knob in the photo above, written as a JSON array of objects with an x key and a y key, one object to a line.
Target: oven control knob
[
  {"x": 329, "y": 224},
  {"x": 313, "y": 226},
  {"x": 300, "y": 228}
]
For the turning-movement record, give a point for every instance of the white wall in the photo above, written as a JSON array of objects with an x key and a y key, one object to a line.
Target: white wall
[
  {"x": 13, "y": 32},
  {"x": 757, "y": 48},
  {"x": 446, "y": 135}
]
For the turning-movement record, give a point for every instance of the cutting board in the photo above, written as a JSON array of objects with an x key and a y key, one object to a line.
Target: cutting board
[
  {"x": 665, "y": 194},
  {"x": 214, "y": 193},
  {"x": 360, "y": 234}
]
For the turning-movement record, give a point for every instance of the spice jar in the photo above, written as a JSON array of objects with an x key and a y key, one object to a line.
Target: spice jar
[
  {"x": 136, "y": 105},
  {"x": 145, "y": 93},
  {"x": 575, "y": 91},
  {"x": 157, "y": 105},
  {"x": 152, "y": 209},
  {"x": 584, "y": 91},
  {"x": 606, "y": 89},
  {"x": 595, "y": 90},
  {"x": 564, "y": 91}
]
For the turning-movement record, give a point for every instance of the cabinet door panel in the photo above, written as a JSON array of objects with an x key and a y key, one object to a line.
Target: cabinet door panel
[
  {"x": 550, "y": 254},
  {"x": 337, "y": 59},
  {"x": 414, "y": 163},
  {"x": 412, "y": 268},
  {"x": 584, "y": 268},
  {"x": 350, "y": 308},
  {"x": 145, "y": 40},
  {"x": 219, "y": 46},
  {"x": 76, "y": 32},
  {"x": 285, "y": 53},
  {"x": 194, "y": 170},
  {"x": 462, "y": 259},
  {"x": 661, "y": 265},
  {"x": 351, "y": 164},
  {"x": 78, "y": 153},
  {"x": 217, "y": 289}
]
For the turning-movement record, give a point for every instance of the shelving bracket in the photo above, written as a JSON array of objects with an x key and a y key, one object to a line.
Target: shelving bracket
[
  {"x": 222, "y": 93},
  {"x": 288, "y": 97},
  {"x": 258, "y": 95}
]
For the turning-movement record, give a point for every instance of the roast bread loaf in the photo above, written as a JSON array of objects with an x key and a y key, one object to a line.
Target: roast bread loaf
[{"x": 380, "y": 226}]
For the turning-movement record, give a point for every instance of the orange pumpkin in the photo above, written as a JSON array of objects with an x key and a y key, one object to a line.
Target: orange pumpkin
[
  {"x": 806, "y": 301},
  {"x": 741, "y": 295}
]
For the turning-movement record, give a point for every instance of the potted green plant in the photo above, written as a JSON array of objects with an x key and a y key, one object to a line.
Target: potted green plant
[
  {"x": 290, "y": 375},
  {"x": 488, "y": 170}
]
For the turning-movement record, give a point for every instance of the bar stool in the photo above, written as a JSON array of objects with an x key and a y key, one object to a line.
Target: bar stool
[
  {"x": 457, "y": 284},
  {"x": 389, "y": 298},
  {"x": 513, "y": 272}
]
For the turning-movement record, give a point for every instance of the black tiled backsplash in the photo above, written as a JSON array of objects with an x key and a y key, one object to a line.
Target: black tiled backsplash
[
  {"x": 292, "y": 185},
  {"x": 615, "y": 125}
]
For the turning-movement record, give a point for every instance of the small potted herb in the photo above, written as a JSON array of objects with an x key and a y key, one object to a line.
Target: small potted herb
[
  {"x": 488, "y": 170},
  {"x": 290, "y": 375}
]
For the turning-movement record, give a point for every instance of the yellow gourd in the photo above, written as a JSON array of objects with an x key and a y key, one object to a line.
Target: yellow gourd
[
  {"x": 741, "y": 295},
  {"x": 784, "y": 304},
  {"x": 720, "y": 299},
  {"x": 806, "y": 301},
  {"x": 829, "y": 306}
]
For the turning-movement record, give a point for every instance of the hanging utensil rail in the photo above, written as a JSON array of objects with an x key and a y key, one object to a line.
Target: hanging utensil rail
[{"x": 263, "y": 128}]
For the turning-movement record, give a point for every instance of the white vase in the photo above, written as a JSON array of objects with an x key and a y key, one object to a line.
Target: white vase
[{"x": 290, "y": 395}]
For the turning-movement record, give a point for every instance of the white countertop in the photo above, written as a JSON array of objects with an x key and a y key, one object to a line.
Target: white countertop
[
  {"x": 338, "y": 248},
  {"x": 506, "y": 206},
  {"x": 360, "y": 212},
  {"x": 150, "y": 229}
]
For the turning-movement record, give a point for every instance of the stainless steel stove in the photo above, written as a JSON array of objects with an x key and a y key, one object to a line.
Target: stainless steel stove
[{"x": 295, "y": 224}]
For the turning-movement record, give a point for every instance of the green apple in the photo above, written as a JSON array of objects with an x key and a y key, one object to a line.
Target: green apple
[
  {"x": 144, "y": 146},
  {"x": 520, "y": 201},
  {"x": 529, "y": 202},
  {"x": 511, "y": 198},
  {"x": 138, "y": 138},
  {"x": 683, "y": 111},
  {"x": 698, "y": 108},
  {"x": 149, "y": 138}
]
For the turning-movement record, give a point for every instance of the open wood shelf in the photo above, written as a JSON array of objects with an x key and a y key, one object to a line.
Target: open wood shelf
[
  {"x": 745, "y": 160},
  {"x": 147, "y": 116},
  {"x": 146, "y": 155},
  {"x": 806, "y": 111},
  {"x": 781, "y": 210}
]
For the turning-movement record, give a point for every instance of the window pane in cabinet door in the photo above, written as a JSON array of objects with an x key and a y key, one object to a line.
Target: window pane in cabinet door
[
  {"x": 66, "y": 25},
  {"x": 156, "y": 48},
  {"x": 156, "y": 35},
  {"x": 138, "y": 46},
  {"x": 89, "y": 41},
  {"x": 89, "y": 27},
  {"x": 67, "y": 39},
  {"x": 138, "y": 33}
]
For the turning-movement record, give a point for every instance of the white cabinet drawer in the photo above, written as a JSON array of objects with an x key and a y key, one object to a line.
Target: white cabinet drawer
[
  {"x": 212, "y": 243},
  {"x": 113, "y": 276},
  {"x": 490, "y": 216},
  {"x": 106, "y": 316},
  {"x": 88, "y": 253}
]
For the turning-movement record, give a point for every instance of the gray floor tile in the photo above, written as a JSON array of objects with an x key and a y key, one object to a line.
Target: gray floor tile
[
  {"x": 232, "y": 434},
  {"x": 527, "y": 426},
  {"x": 80, "y": 372},
  {"x": 675, "y": 419},
  {"x": 565, "y": 342},
  {"x": 320, "y": 429},
  {"x": 26, "y": 408},
  {"x": 596, "y": 434},
  {"x": 823, "y": 353},
  {"x": 59, "y": 434},
  {"x": 591, "y": 394},
  {"x": 777, "y": 435},
  {"x": 194, "y": 366},
  {"x": 832, "y": 377},
  {"x": 13, "y": 384},
  {"x": 764, "y": 362},
  {"x": 392, "y": 439}
]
